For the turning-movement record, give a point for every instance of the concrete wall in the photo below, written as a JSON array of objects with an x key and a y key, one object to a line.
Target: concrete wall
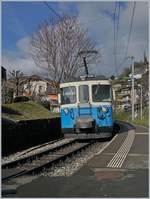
[{"x": 24, "y": 134}]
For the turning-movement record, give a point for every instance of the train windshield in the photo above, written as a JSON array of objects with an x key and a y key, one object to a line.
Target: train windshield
[
  {"x": 68, "y": 95},
  {"x": 101, "y": 93},
  {"x": 83, "y": 94}
]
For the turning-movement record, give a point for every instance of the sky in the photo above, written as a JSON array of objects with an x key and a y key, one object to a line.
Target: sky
[{"x": 21, "y": 19}]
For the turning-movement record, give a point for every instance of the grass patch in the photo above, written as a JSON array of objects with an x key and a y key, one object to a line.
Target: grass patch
[
  {"x": 26, "y": 111},
  {"x": 126, "y": 116}
]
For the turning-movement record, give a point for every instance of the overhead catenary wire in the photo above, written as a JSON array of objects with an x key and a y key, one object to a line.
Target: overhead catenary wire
[
  {"x": 115, "y": 34},
  {"x": 116, "y": 30},
  {"x": 52, "y": 9},
  {"x": 129, "y": 35},
  {"x": 116, "y": 44},
  {"x": 131, "y": 25}
]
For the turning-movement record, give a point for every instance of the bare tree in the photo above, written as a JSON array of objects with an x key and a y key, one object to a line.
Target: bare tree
[
  {"x": 17, "y": 78},
  {"x": 56, "y": 47}
]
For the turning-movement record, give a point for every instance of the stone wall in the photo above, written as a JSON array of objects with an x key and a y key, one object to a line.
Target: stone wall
[{"x": 28, "y": 133}]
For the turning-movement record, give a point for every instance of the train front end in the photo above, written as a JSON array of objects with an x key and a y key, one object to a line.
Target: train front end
[{"x": 86, "y": 109}]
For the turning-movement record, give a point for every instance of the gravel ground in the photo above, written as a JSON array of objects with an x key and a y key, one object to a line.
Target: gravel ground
[
  {"x": 71, "y": 165},
  {"x": 46, "y": 158},
  {"x": 66, "y": 168}
]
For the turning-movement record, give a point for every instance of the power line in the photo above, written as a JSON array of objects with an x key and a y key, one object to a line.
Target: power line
[
  {"x": 131, "y": 25},
  {"x": 58, "y": 15},
  {"x": 115, "y": 34},
  {"x": 123, "y": 61},
  {"x": 116, "y": 30}
]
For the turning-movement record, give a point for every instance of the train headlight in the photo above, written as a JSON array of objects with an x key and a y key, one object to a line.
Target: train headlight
[
  {"x": 66, "y": 110},
  {"x": 104, "y": 109}
]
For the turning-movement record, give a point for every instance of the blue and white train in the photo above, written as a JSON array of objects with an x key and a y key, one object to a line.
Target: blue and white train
[{"x": 86, "y": 108}]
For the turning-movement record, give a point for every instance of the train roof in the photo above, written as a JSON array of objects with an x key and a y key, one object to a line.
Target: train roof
[{"x": 85, "y": 78}]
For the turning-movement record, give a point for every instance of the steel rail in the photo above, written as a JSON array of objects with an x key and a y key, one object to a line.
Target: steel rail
[
  {"x": 39, "y": 146},
  {"x": 27, "y": 151},
  {"x": 55, "y": 159},
  {"x": 35, "y": 155}
]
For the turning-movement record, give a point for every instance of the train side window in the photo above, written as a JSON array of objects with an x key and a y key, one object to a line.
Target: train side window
[
  {"x": 68, "y": 95},
  {"x": 83, "y": 94}
]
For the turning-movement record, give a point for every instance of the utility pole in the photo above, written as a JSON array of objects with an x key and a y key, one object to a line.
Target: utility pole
[
  {"x": 141, "y": 103},
  {"x": 132, "y": 90},
  {"x": 141, "y": 100},
  {"x": 132, "y": 58}
]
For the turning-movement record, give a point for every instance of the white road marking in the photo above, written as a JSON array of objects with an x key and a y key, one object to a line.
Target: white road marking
[
  {"x": 120, "y": 156},
  {"x": 141, "y": 133},
  {"x": 107, "y": 145}
]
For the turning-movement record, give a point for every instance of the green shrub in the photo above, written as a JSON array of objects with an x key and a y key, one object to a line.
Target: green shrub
[
  {"x": 127, "y": 116},
  {"x": 21, "y": 99},
  {"x": 45, "y": 104}
]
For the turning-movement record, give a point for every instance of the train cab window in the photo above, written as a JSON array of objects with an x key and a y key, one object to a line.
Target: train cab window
[
  {"x": 101, "y": 93},
  {"x": 83, "y": 94},
  {"x": 68, "y": 95}
]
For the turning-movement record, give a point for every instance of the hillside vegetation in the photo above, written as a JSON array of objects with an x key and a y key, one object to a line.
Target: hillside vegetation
[
  {"x": 26, "y": 111},
  {"x": 126, "y": 116}
]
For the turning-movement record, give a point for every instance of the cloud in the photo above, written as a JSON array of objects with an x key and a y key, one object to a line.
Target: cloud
[
  {"x": 21, "y": 58},
  {"x": 97, "y": 17},
  {"x": 24, "y": 45},
  {"x": 14, "y": 62}
]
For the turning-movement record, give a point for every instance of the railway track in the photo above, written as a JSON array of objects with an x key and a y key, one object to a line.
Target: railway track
[
  {"x": 32, "y": 150},
  {"x": 37, "y": 159},
  {"x": 36, "y": 162}
]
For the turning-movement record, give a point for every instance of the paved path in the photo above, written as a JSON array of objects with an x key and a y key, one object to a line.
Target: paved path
[{"x": 119, "y": 170}]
